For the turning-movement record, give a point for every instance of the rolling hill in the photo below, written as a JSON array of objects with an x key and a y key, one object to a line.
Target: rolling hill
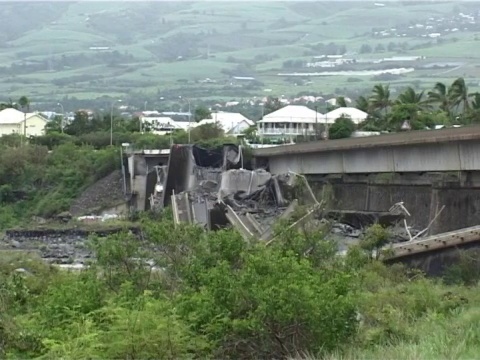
[{"x": 87, "y": 50}]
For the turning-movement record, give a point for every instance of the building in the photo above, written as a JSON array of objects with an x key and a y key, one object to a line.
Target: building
[
  {"x": 290, "y": 121},
  {"x": 355, "y": 114},
  {"x": 231, "y": 123},
  {"x": 160, "y": 125},
  {"x": 13, "y": 121}
]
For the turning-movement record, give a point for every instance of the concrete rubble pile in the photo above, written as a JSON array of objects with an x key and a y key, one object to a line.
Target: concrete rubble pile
[{"x": 212, "y": 189}]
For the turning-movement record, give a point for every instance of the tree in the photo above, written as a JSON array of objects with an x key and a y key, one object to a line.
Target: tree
[
  {"x": 413, "y": 99},
  {"x": 271, "y": 105},
  {"x": 380, "y": 99},
  {"x": 476, "y": 101},
  {"x": 459, "y": 94},
  {"x": 24, "y": 103},
  {"x": 202, "y": 112},
  {"x": 363, "y": 104},
  {"x": 365, "y": 49},
  {"x": 380, "y": 48},
  {"x": 54, "y": 125},
  {"x": 79, "y": 125},
  {"x": 374, "y": 239},
  {"x": 391, "y": 46},
  {"x": 206, "y": 132},
  {"x": 342, "y": 128},
  {"x": 9, "y": 104},
  {"x": 473, "y": 115},
  {"x": 341, "y": 102},
  {"x": 440, "y": 96}
]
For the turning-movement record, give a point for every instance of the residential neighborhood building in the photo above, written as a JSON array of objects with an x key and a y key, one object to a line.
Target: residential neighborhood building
[
  {"x": 355, "y": 114},
  {"x": 231, "y": 123},
  {"x": 13, "y": 121},
  {"x": 161, "y": 125},
  {"x": 289, "y": 122}
]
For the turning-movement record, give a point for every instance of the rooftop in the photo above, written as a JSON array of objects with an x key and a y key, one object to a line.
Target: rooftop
[
  {"x": 293, "y": 114},
  {"x": 14, "y": 116}
]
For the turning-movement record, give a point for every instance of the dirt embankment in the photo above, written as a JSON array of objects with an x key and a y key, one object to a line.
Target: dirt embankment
[{"x": 105, "y": 193}]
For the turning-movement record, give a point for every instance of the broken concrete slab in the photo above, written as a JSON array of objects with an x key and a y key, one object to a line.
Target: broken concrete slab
[{"x": 241, "y": 180}]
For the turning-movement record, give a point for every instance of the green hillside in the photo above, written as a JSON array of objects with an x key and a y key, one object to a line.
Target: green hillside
[{"x": 156, "y": 48}]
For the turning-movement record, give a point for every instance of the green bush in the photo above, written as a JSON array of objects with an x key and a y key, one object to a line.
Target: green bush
[
  {"x": 38, "y": 182},
  {"x": 181, "y": 292},
  {"x": 342, "y": 128}
]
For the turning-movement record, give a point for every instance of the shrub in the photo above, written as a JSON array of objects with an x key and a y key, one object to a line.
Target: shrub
[{"x": 342, "y": 128}]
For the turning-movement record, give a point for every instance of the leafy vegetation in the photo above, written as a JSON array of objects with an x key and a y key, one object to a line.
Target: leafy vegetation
[
  {"x": 212, "y": 295},
  {"x": 36, "y": 182},
  {"x": 342, "y": 128}
]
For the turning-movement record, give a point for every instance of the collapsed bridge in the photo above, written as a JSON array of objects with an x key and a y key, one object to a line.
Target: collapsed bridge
[{"x": 212, "y": 188}]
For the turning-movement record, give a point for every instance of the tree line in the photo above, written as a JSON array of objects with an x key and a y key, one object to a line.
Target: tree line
[{"x": 443, "y": 104}]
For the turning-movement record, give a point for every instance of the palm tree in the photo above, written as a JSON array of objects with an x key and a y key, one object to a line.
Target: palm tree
[
  {"x": 24, "y": 103},
  {"x": 459, "y": 94},
  {"x": 363, "y": 104},
  {"x": 473, "y": 115},
  {"x": 409, "y": 96},
  {"x": 380, "y": 99},
  {"x": 9, "y": 104},
  {"x": 25, "y": 106},
  {"x": 341, "y": 102},
  {"x": 476, "y": 101},
  {"x": 441, "y": 95}
]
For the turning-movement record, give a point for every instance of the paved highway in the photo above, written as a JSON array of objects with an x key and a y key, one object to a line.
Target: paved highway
[{"x": 397, "y": 139}]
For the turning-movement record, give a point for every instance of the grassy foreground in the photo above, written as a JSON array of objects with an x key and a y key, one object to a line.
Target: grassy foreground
[{"x": 212, "y": 295}]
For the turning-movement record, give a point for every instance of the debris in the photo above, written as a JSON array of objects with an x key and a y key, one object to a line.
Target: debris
[
  {"x": 39, "y": 220},
  {"x": 64, "y": 216},
  {"x": 211, "y": 189},
  {"x": 97, "y": 218},
  {"x": 430, "y": 224},
  {"x": 398, "y": 209},
  {"x": 157, "y": 195},
  {"x": 362, "y": 219}
]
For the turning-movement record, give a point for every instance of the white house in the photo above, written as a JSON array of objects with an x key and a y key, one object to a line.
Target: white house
[
  {"x": 13, "y": 121},
  {"x": 231, "y": 123},
  {"x": 290, "y": 121},
  {"x": 355, "y": 114}
]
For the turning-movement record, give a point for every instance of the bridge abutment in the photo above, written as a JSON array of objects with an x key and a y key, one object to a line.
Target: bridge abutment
[{"x": 423, "y": 194}]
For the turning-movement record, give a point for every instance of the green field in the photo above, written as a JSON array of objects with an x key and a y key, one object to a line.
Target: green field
[{"x": 170, "y": 46}]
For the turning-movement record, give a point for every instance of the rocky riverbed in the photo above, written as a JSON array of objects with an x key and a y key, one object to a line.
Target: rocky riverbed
[
  {"x": 70, "y": 246},
  {"x": 66, "y": 246}
]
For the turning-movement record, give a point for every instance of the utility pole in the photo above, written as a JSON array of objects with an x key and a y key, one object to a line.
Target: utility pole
[
  {"x": 189, "y": 117},
  {"x": 63, "y": 117},
  {"x": 316, "y": 124},
  {"x": 141, "y": 119},
  {"x": 111, "y": 122},
  {"x": 326, "y": 127}
]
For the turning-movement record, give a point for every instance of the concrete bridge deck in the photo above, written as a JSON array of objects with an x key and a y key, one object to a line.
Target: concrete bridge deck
[
  {"x": 387, "y": 140},
  {"x": 435, "y": 242},
  {"x": 456, "y": 149}
]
